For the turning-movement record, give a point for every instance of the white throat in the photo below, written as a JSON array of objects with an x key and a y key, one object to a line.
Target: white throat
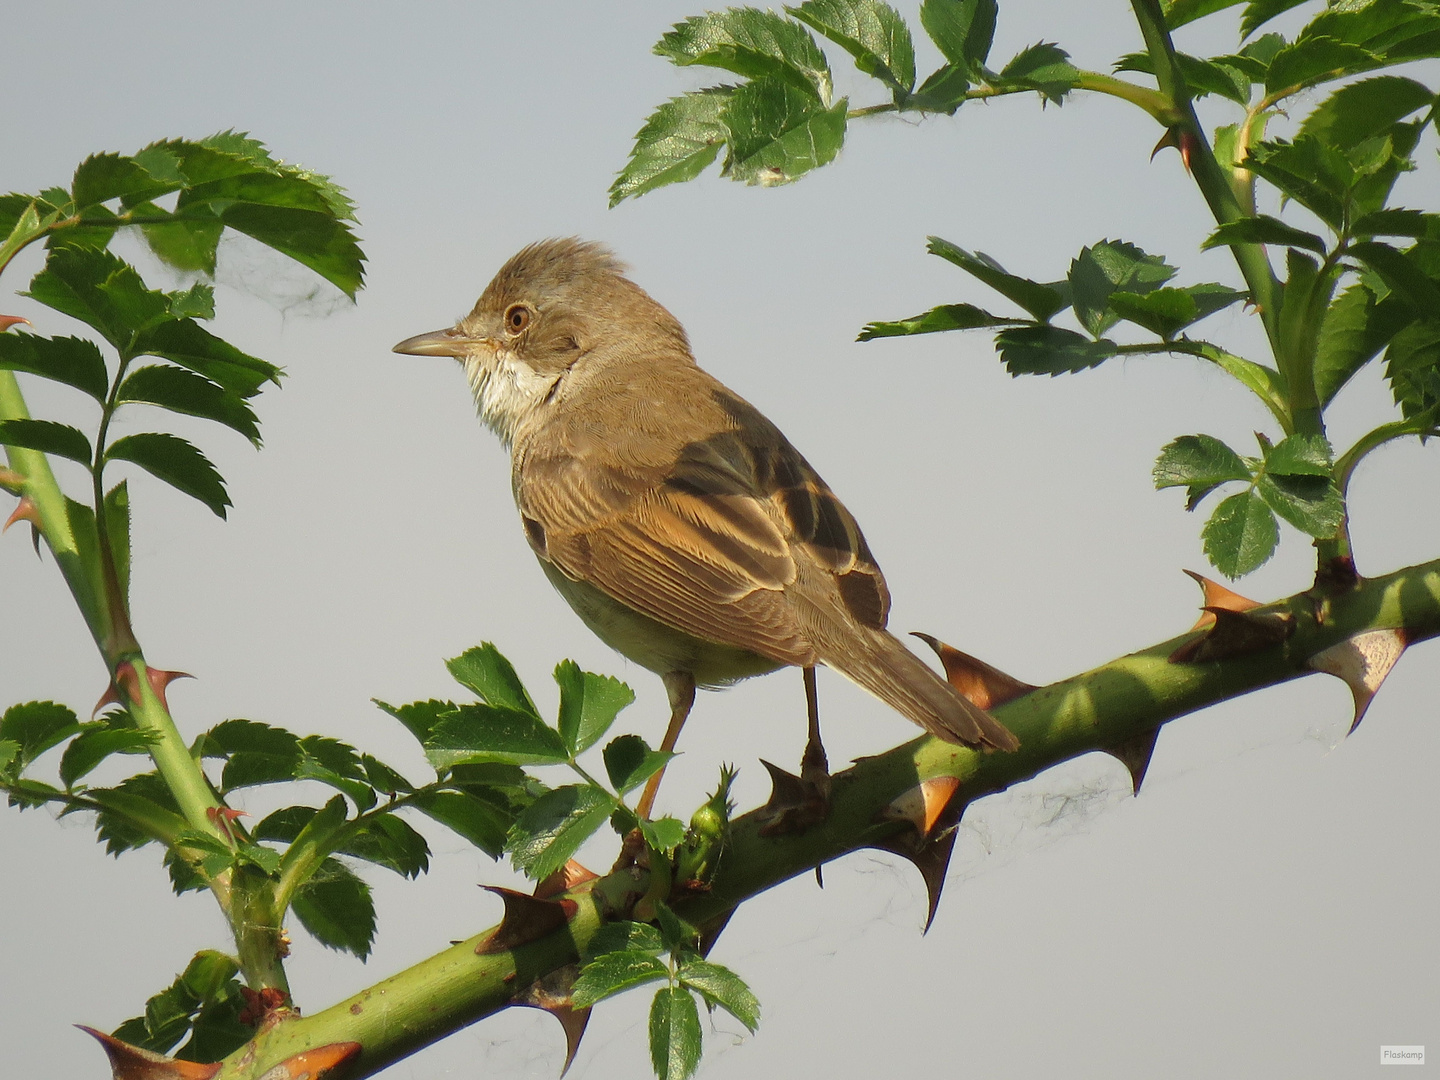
[{"x": 508, "y": 392}]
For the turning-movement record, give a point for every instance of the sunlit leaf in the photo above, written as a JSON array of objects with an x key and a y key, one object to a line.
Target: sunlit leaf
[
  {"x": 613, "y": 973},
  {"x": 486, "y": 673},
  {"x": 1042, "y": 301},
  {"x": 936, "y": 320},
  {"x": 778, "y": 133},
  {"x": 720, "y": 986},
  {"x": 869, "y": 30},
  {"x": 1241, "y": 535},
  {"x": 674, "y": 1034},
  {"x": 553, "y": 827},
  {"x": 175, "y": 461},
  {"x": 477, "y": 733},
  {"x": 678, "y": 142}
]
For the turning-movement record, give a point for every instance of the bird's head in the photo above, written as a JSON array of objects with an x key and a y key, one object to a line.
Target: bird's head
[{"x": 554, "y": 308}]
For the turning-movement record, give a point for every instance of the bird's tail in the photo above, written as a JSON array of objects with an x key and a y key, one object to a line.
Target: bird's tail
[{"x": 907, "y": 684}]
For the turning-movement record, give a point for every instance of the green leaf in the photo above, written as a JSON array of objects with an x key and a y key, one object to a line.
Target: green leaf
[
  {"x": 720, "y": 986},
  {"x": 102, "y": 177},
  {"x": 589, "y": 704},
  {"x": 101, "y": 290},
  {"x": 678, "y": 142},
  {"x": 196, "y": 302},
  {"x": 183, "y": 391},
  {"x": 1264, "y": 382},
  {"x": 1263, "y": 229},
  {"x": 1041, "y": 301},
  {"x": 1165, "y": 311},
  {"x": 1311, "y": 503},
  {"x": 9, "y": 752},
  {"x": 554, "y": 826},
  {"x": 1402, "y": 274},
  {"x": 1259, "y": 12},
  {"x": 1354, "y": 330},
  {"x": 869, "y": 30},
  {"x": 136, "y": 812},
  {"x": 1108, "y": 267},
  {"x": 1223, "y": 75},
  {"x": 27, "y": 224},
  {"x": 1312, "y": 60},
  {"x": 383, "y": 778},
  {"x": 1314, "y": 175},
  {"x": 1241, "y": 535},
  {"x": 1363, "y": 110},
  {"x": 778, "y": 133},
  {"x": 1043, "y": 67},
  {"x": 178, "y": 463},
  {"x": 190, "y": 345},
  {"x": 1049, "y": 350},
  {"x": 1200, "y": 463},
  {"x": 674, "y": 1034},
  {"x": 937, "y": 319},
  {"x": 384, "y": 840},
  {"x": 753, "y": 43},
  {"x": 1396, "y": 30},
  {"x": 1397, "y": 222},
  {"x": 181, "y": 241},
  {"x": 48, "y": 437},
  {"x": 36, "y": 726},
  {"x": 621, "y": 936},
  {"x": 629, "y": 762},
  {"x": 614, "y": 973},
  {"x": 419, "y": 717},
  {"x": 314, "y": 240},
  {"x": 255, "y": 753},
  {"x": 963, "y": 29},
  {"x": 70, "y": 360},
  {"x": 1412, "y": 366},
  {"x": 1300, "y": 455},
  {"x": 335, "y": 907},
  {"x": 944, "y": 90},
  {"x": 479, "y": 821},
  {"x": 663, "y": 834},
  {"x": 1179, "y": 12},
  {"x": 487, "y": 674},
  {"x": 477, "y": 733},
  {"x": 91, "y": 747}
]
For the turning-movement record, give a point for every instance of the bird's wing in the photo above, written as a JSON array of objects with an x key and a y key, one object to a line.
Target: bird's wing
[{"x": 712, "y": 540}]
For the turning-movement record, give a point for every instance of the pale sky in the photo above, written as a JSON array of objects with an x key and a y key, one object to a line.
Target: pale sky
[{"x": 1266, "y": 906}]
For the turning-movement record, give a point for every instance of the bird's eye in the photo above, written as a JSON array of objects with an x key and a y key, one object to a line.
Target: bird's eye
[{"x": 517, "y": 318}]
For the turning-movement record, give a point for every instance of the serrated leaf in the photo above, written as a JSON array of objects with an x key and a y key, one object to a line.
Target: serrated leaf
[
  {"x": 1259, "y": 12},
  {"x": 90, "y": 748},
  {"x": 624, "y": 935},
  {"x": 778, "y": 133},
  {"x": 1362, "y": 110},
  {"x": 9, "y": 752},
  {"x": 1042, "y": 301},
  {"x": 1402, "y": 274},
  {"x": 136, "y": 812},
  {"x": 1050, "y": 350},
  {"x": 1199, "y": 463},
  {"x": 1311, "y": 503},
  {"x": 1300, "y": 455},
  {"x": 36, "y": 726},
  {"x": 1397, "y": 221},
  {"x": 674, "y": 1034},
  {"x": 1263, "y": 229},
  {"x": 1314, "y": 175},
  {"x": 1108, "y": 267},
  {"x": 1164, "y": 312},
  {"x": 48, "y": 437},
  {"x": 1412, "y": 366},
  {"x": 178, "y": 463},
  {"x": 629, "y": 762},
  {"x": 1223, "y": 75},
  {"x": 479, "y": 733},
  {"x": 184, "y": 391},
  {"x": 613, "y": 973},
  {"x": 190, "y": 345},
  {"x": 720, "y": 986},
  {"x": 663, "y": 834},
  {"x": 1354, "y": 330},
  {"x": 1313, "y": 60},
  {"x": 869, "y": 30},
  {"x": 335, "y": 907},
  {"x": 482, "y": 823},
  {"x": 1396, "y": 30},
  {"x": 187, "y": 242},
  {"x": 753, "y": 43},
  {"x": 936, "y": 320},
  {"x": 589, "y": 704},
  {"x": 1043, "y": 67},
  {"x": 1179, "y": 12},
  {"x": 70, "y": 360},
  {"x": 678, "y": 142},
  {"x": 419, "y": 717},
  {"x": 384, "y": 840},
  {"x": 383, "y": 778},
  {"x": 962, "y": 29},
  {"x": 102, "y": 177},
  {"x": 101, "y": 290},
  {"x": 552, "y": 828},
  {"x": 1241, "y": 535},
  {"x": 314, "y": 240},
  {"x": 486, "y": 673},
  {"x": 944, "y": 89}
]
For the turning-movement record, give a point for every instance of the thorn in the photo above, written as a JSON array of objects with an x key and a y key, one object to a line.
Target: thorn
[
  {"x": 1235, "y": 634},
  {"x": 1336, "y": 575},
  {"x": 526, "y": 919},
  {"x": 1218, "y": 596},
  {"x": 1182, "y": 139},
  {"x": 110, "y": 697},
  {"x": 7, "y": 321},
  {"x": 1134, "y": 753},
  {"x": 11, "y": 480},
  {"x": 133, "y": 1063},
  {"x": 313, "y": 1064},
  {"x": 985, "y": 686},
  {"x": 223, "y": 818},
  {"x": 158, "y": 678},
  {"x": 25, "y": 511},
  {"x": 931, "y": 858},
  {"x": 923, "y": 804},
  {"x": 563, "y": 880},
  {"x": 711, "y": 931},
  {"x": 551, "y": 992},
  {"x": 1363, "y": 661},
  {"x": 793, "y": 805}
]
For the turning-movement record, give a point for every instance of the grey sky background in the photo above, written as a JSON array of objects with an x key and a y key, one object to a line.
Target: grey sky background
[{"x": 1265, "y": 907}]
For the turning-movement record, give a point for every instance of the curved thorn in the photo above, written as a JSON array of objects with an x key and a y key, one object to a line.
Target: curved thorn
[
  {"x": 551, "y": 992},
  {"x": 563, "y": 880},
  {"x": 1363, "y": 661},
  {"x": 1135, "y": 753},
  {"x": 982, "y": 684},
  {"x": 526, "y": 919},
  {"x": 26, "y": 510},
  {"x": 135, "y": 1063},
  {"x": 922, "y": 805},
  {"x": 1218, "y": 596}
]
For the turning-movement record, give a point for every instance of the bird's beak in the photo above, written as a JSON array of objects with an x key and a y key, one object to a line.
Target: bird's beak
[{"x": 448, "y": 342}]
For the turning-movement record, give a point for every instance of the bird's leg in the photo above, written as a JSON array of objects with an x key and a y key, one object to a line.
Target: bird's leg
[
  {"x": 680, "y": 686},
  {"x": 814, "y": 766}
]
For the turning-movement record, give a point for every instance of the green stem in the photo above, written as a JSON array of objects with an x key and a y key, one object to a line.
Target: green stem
[{"x": 1423, "y": 426}]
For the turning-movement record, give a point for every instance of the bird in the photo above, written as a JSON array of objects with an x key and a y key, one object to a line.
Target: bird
[{"x": 678, "y": 522}]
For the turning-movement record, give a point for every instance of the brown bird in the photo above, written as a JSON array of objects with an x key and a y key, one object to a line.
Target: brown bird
[{"x": 677, "y": 521}]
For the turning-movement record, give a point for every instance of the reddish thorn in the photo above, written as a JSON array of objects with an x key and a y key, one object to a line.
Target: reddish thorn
[
  {"x": 264, "y": 1006},
  {"x": 11, "y": 480},
  {"x": 923, "y": 804},
  {"x": 160, "y": 679},
  {"x": 223, "y": 818},
  {"x": 313, "y": 1064},
  {"x": 1188, "y": 145},
  {"x": 1218, "y": 596},
  {"x": 7, "y": 321},
  {"x": 526, "y": 919},
  {"x": 563, "y": 880},
  {"x": 26, "y": 511},
  {"x": 978, "y": 682},
  {"x": 110, "y": 697},
  {"x": 134, "y": 1063}
]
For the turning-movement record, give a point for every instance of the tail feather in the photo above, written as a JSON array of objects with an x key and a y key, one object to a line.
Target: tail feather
[{"x": 890, "y": 671}]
